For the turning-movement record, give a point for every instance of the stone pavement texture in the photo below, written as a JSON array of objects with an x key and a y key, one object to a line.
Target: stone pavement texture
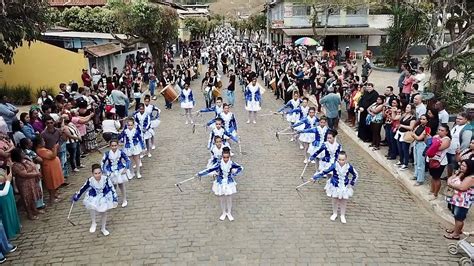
[{"x": 385, "y": 224}]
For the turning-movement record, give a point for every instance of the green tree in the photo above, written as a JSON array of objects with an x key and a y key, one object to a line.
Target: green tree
[
  {"x": 196, "y": 26},
  {"x": 22, "y": 20},
  {"x": 148, "y": 22},
  {"x": 97, "y": 19},
  {"x": 408, "y": 27}
]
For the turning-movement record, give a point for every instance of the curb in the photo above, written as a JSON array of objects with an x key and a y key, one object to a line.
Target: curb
[
  {"x": 385, "y": 69},
  {"x": 404, "y": 177}
]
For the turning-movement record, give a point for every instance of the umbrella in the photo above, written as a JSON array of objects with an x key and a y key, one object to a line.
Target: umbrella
[{"x": 306, "y": 41}]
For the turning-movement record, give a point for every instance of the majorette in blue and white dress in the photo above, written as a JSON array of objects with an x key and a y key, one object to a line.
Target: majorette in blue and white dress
[
  {"x": 133, "y": 141},
  {"x": 223, "y": 134},
  {"x": 339, "y": 186},
  {"x": 320, "y": 136},
  {"x": 230, "y": 124},
  {"x": 101, "y": 195},
  {"x": 330, "y": 154},
  {"x": 225, "y": 184},
  {"x": 253, "y": 98},
  {"x": 186, "y": 99},
  {"x": 216, "y": 155},
  {"x": 217, "y": 111},
  {"x": 302, "y": 113},
  {"x": 308, "y": 122},
  {"x": 154, "y": 113},
  {"x": 143, "y": 121},
  {"x": 291, "y": 104},
  {"x": 114, "y": 164}
]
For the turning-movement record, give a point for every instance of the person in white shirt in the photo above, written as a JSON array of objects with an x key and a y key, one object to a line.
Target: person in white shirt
[
  {"x": 110, "y": 127},
  {"x": 461, "y": 122},
  {"x": 442, "y": 113},
  {"x": 420, "y": 107},
  {"x": 420, "y": 79},
  {"x": 95, "y": 72}
]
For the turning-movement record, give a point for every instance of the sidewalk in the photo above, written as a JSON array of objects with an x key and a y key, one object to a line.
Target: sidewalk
[{"x": 439, "y": 206}]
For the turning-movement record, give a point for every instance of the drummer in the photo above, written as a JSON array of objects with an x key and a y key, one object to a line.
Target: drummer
[{"x": 166, "y": 79}]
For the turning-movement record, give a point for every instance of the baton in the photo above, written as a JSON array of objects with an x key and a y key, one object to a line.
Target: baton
[
  {"x": 305, "y": 183},
  {"x": 304, "y": 170},
  {"x": 178, "y": 185},
  {"x": 69, "y": 215}
]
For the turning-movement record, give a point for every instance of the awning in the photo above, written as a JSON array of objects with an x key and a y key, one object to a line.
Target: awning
[
  {"x": 103, "y": 49},
  {"x": 334, "y": 31}
]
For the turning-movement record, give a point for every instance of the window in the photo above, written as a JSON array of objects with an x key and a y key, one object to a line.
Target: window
[{"x": 301, "y": 10}]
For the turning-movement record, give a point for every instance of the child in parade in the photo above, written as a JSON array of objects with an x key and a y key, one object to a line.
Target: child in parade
[
  {"x": 219, "y": 131},
  {"x": 143, "y": 121},
  {"x": 292, "y": 104},
  {"x": 133, "y": 144},
  {"x": 311, "y": 121},
  {"x": 100, "y": 197},
  {"x": 187, "y": 102},
  {"x": 230, "y": 124},
  {"x": 116, "y": 165},
  {"x": 216, "y": 151},
  {"x": 330, "y": 150},
  {"x": 154, "y": 112},
  {"x": 253, "y": 98},
  {"x": 339, "y": 187},
  {"x": 225, "y": 185},
  {"x": 320, "y": 135}
]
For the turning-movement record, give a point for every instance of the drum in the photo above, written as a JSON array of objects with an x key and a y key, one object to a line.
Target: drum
[
  {"x": 191, "y": 72},
  {"x": 219, "y": 84},
  {"x": 169, "y": 93},
  {"x": 273, "y": 84},
  {"x": 216, "y": 92}
]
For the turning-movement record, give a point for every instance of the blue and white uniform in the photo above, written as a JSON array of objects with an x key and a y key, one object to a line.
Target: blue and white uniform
[
  {"x": 154, "y": 113},
  {"x": 230, "y": 124},
  {"x": 291, "y": 104},
  {"x": 339, "y": 186},
  {"x": 186, "y": 99},
  {"x": 144, "y": 123},
  {"x": 216, "y": 109},
  {"x": 308, "y": 122},
  {"x": 101, "y": 195},
  {"x": 225, "y": 184},
  {"x": 330, "y": 153},
  {"x": 133, "y": 141},
  {"x": 216, "y": 155},
  {"x": 320, "y": 136},
  {"x": 302, "y": 113},
  {"x": 253, "y": 98},
  {"x": 113, "y": 165},
  {"x": 224, "y": 134}
]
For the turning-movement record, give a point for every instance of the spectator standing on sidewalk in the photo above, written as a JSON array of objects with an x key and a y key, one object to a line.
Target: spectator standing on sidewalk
[
  {"x": 367, "y": 99},
  {"x": 420, "y": 134},
  {"x": 442, "y": 113},
  {"x": 458, "y": 141},
  {"x": 331, "y": 104}
]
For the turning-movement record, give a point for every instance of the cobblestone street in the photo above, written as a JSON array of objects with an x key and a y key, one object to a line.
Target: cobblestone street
[{"x": 273, "y": 225}]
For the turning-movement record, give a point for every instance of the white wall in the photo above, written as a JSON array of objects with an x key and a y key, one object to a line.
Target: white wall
[
  {"x": 355, "y": 44},
  {"x": 374, "y": 40},
  {"x": 380, "y": 21}
]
